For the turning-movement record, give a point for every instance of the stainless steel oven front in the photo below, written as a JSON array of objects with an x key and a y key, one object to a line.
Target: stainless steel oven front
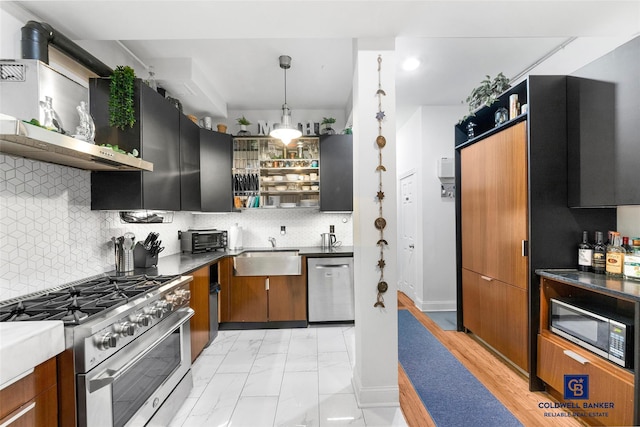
[{"x": 130, "y": 387}]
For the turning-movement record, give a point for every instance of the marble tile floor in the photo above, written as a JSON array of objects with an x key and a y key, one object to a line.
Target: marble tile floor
[{"x": 279, "y": 377}]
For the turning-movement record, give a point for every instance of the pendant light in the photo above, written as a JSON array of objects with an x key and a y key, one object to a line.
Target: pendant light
[{"x": 285, "y": 130}]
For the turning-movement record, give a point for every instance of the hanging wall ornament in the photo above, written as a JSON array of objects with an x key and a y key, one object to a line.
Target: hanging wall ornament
[{"x": 380, "y": 223}]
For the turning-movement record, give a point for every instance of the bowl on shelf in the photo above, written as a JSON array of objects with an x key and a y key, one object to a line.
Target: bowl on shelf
[
  {"x": 288, "y": 205},
  {"x": 292, "y": 176},
  {"x": 313, "y": 176},
  {"x": 281, "y": 187},
  {"x": 306, "y": 187},
  {"x": 308, "y": 203},
  {"x": 278, "y": 178},
  {"x": 266, "y": 178},
  {"x": 315, "y": 187}
]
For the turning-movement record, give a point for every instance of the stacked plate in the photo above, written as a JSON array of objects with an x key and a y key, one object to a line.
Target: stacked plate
[
  {"x": 287, "y": 205},
  {"x": 308, "y": 203}
]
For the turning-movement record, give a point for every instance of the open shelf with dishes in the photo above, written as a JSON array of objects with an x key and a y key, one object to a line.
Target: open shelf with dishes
[{"x": 268, "y": 174}]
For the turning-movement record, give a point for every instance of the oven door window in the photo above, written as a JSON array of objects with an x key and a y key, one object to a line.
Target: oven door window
[{"x": 132, "y": 389}]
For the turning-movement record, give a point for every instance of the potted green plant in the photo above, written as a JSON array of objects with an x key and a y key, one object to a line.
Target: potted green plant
[
  {"x": 243, "y": 122},
  {"x": 487, "y": 93},
  {"x": 328, "y": 122},
  {"x": 121, "y": 91}
]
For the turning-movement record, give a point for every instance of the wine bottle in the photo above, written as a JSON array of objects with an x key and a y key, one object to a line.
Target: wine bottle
[
  {"x": 615, "y": 257},
  {"x": 585, "y": 253},
  {"x": 625, "y": 244},
  {"x": 599, "y": 255}
]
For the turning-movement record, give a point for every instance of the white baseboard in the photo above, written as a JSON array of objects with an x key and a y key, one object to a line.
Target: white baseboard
[
  {"x": 375, "y": 397},
  {"x": 435, "y": 305}
]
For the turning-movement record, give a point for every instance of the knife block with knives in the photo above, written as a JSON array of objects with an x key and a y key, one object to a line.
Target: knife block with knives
[{"x": 145, "y": 254}]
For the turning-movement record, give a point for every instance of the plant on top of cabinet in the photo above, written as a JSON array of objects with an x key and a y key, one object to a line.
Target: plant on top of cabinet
[
  {"x": 487, "y": 93},
  {"x": 243, "y": 122},
  {"x": 327, "y": 122},
  {"x": 121, "y": 90}
]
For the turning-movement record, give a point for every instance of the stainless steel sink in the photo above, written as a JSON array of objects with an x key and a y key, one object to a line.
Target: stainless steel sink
[{"x": 268, "y": 263}]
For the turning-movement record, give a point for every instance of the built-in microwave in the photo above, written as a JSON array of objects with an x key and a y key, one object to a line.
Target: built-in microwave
[{"x": 605, "y": 333}]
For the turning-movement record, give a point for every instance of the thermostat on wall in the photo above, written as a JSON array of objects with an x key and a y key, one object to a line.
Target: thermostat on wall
[{"x": 446, "y": 168}]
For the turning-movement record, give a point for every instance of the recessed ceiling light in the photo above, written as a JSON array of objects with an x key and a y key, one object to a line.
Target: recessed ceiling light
[{"x": 410, "y": 64}]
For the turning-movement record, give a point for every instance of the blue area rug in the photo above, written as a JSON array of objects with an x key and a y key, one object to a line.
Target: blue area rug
[{"x": 452, "y": 395}]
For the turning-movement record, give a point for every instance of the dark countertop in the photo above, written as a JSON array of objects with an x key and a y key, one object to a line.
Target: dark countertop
[
  {"x": 186, "y": 263},
  {"x": 628, "y": 289}
]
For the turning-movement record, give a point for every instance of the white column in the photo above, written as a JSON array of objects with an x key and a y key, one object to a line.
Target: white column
[{"x": 375, "y": 377}]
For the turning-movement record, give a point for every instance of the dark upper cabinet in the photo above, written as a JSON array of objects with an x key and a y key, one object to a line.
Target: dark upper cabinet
[
  {"x": 216, "y": 185},
  {"x": 155, "y": 135},
  {"x": 189, "y": 165},
  {"x": 603, "y": 112},
  {"x": 336, "y": 173}
]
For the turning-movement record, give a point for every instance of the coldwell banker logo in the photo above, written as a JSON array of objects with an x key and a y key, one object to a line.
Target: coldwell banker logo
[{"x": 576, "y": 387}]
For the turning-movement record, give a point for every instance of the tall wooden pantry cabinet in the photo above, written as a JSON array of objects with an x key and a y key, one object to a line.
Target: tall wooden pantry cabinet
[{"x": 512, "y": 217}]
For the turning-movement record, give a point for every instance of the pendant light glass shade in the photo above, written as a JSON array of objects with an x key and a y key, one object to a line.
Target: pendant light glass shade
[{"x": 285, "y": 131}]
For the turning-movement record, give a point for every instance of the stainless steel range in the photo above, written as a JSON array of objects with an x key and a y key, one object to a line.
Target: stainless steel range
[{"x": 128, "y": 358}]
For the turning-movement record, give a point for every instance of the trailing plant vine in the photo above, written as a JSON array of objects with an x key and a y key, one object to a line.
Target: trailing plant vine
[{"x": 121, "y": 90}]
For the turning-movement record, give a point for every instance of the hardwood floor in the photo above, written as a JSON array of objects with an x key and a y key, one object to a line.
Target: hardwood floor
[{"x": 507, "y": 384}]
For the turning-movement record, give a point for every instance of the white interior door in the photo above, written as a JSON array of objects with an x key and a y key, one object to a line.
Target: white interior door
[{"x": 408, "y": 228}]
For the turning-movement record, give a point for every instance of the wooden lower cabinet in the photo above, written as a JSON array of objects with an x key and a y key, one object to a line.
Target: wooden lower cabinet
[
  {"x": 607, "y": 383},
  {"x": 262, "y": 299},
  {"x": 497, "y": 313},
  {"x": 287, "y": 298},
  {"x": 199, "y": 302},
  {"x": 31, "y": 401},
  {"x": 248, "y": 299}
]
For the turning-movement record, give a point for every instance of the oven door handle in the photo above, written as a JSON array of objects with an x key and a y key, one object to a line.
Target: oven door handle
[{"x": 108, "y": 376}]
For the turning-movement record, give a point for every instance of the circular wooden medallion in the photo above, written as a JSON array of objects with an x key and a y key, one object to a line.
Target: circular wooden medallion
[
  {"x": 382, "y": 287},
  {"x": 381, "y": 141},
  {"x": 380, "y": 223}
]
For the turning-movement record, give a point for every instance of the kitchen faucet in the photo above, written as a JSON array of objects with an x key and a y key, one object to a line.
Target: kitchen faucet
[{"x": 273, "y": 241}]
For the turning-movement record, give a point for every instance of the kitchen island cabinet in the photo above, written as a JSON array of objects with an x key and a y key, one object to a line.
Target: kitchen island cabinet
[
  {"x": 512, "y": 217},
  {"x": 32, "y": 400},
  {"x": 557, "y": 356}
]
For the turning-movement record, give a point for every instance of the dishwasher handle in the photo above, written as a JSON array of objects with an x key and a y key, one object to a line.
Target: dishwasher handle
[{"x": 332, "y": 266}]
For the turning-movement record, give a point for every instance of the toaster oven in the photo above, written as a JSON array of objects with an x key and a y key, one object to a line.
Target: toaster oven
[{"x": 199, "y": 241}]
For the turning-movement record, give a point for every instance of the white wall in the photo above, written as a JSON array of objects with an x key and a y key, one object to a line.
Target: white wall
[{"x": 375, "y": 376}]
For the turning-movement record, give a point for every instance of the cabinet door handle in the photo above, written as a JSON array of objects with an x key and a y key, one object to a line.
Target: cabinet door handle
[
  {"x": 266, "y": 284},
  {"x": 487, "y": 278},
  {"x": 19, "y": 415},
  {"x": 525, "y": 248},
  {"x": 575, "y": 356}
]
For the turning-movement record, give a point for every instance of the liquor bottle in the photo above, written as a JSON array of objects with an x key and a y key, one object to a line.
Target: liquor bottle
[
  {"x": 631, "y": 268},
  {"x": 585, "y": 253},
  {"x": 615, "y": 257},
  {"x": 625, "y": 244},
  {"x": 599, "y": 255}
]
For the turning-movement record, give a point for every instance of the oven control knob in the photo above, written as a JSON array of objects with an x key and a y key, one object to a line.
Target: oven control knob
[
  {"x": 143, "y": 319},
  {"x": 184, "y": 294},
  {"x": 107, "y": 341},
  {"x": 127, "y": 329},
  {"x": 157, "y": 312}
]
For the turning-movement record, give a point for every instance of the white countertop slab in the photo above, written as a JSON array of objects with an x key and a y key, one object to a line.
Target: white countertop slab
[{"x": 25, "y": 345}]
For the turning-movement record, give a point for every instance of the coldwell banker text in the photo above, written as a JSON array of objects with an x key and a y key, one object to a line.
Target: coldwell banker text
[{"x": 572, "y": 405}]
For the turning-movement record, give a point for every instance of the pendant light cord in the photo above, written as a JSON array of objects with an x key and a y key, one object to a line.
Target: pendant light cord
[{"x": 285, "y": 86}]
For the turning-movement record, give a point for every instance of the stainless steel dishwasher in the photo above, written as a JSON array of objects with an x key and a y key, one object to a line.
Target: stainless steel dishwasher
[{"x": 331, "y": 289}]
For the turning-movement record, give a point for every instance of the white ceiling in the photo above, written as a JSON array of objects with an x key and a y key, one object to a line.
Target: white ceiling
[{"x": 232, "y": 46}]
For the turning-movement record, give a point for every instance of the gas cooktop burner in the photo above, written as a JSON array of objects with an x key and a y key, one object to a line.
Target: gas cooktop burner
[{"x": 81, "y": 301}]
